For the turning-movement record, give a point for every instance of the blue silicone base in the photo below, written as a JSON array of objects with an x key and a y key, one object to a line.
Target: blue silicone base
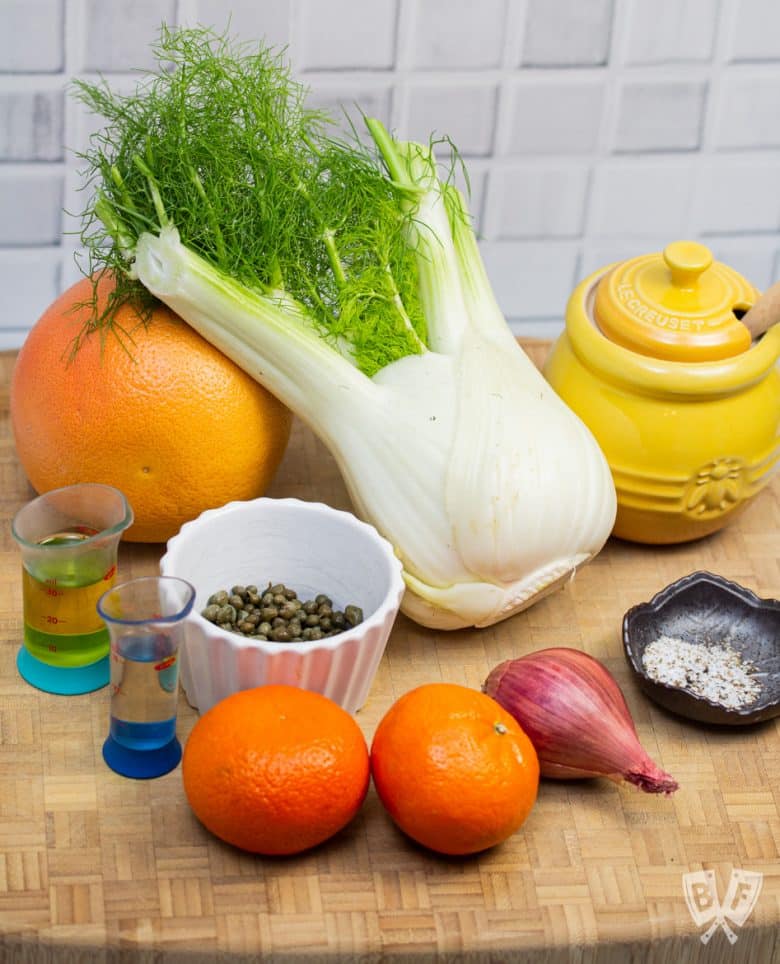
[
  {"x": 66, "y": 681},
  {"x": 141, "y": 764}
]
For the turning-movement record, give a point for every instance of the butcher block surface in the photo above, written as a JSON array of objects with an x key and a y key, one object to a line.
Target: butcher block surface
[{"x": 94, "y": 866}]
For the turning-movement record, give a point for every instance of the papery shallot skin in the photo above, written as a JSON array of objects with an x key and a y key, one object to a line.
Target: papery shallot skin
[{"x": 577, "y": 718}]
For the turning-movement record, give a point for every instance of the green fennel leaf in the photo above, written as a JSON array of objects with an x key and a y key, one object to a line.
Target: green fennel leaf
[{"x": 219, "y": 142}]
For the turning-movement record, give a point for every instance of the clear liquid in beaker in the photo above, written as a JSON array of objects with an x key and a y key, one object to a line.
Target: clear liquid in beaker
[
  {"x": 144, "y": 682},
  {"x": 60, "y": 593}
]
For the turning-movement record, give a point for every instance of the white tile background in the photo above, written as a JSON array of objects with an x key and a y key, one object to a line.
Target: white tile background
[{"x": 593, "y": 130}]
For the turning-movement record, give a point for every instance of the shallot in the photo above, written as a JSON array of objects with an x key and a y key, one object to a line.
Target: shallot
[{"x": 576, "y": 716}]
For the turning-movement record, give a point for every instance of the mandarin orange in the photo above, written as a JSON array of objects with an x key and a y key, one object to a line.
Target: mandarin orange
[
  {"x": 453, "y": 769},
  {"x": 161, "y": 415},
  {"x": 275, "y": 769}
]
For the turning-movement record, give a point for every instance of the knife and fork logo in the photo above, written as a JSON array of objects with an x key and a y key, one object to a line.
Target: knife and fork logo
[{"x": 701, "y": 895}]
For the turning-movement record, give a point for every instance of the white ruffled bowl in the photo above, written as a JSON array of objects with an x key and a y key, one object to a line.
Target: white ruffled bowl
[{"x": 309, "y": 547}]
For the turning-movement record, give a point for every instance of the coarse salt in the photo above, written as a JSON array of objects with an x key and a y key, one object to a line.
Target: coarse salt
[{"x": 715, "y": 672}]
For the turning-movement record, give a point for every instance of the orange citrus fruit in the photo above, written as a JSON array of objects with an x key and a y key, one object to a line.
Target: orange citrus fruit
[
  {"x": 453, "y": 769},
  {"x": 275, "y": 769},
  {"x": 163, "y": 415}
]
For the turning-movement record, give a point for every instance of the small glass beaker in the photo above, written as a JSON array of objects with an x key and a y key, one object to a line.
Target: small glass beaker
[
  {"x": 146, "y": 619},
  {"x": 69, "y": 539}
]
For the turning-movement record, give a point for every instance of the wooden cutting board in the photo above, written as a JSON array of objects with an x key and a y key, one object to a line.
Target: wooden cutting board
[{"x": 100, "y": 865}]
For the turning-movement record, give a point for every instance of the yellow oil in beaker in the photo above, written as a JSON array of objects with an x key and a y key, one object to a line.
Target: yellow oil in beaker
[{"x": 61, "y": 623}]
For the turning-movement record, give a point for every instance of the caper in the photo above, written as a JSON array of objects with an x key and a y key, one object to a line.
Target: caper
[
  {"x": 276, "y": 613},
  {"x": 226, "y": 614}
]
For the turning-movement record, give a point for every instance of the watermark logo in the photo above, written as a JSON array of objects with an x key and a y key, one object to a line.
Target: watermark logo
[{"x": 701, "y": 895}]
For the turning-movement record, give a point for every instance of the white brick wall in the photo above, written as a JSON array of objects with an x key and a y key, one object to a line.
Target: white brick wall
[{"x": 593, "y": 130}]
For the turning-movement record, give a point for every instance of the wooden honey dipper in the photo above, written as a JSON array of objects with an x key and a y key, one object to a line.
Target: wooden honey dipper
[{"x": 764, "y": 313}]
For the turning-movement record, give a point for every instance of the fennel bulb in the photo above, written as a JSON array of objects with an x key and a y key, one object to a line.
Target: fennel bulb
[{"x": 357, "y": 295}]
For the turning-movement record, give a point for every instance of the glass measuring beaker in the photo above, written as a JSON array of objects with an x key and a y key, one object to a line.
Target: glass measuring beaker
[
  {"x": 69, "y": 539},
  {"x": 146, "y": 619}
]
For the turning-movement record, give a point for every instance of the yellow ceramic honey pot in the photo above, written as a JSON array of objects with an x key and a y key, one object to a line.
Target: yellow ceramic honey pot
[{"x": 684, "y": 404}]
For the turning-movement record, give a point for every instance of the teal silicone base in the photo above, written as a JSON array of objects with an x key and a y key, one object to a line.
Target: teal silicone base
[{"x": 65, "y": 681}]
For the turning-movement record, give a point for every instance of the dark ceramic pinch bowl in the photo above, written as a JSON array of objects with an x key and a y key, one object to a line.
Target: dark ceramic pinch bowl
[{"x": 706, "y": 608}]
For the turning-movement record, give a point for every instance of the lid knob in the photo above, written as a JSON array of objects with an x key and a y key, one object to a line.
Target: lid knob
[{"x": 687, "y": 260}]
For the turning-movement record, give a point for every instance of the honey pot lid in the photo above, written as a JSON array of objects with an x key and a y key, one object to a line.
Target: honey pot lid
[{"x": 679, "y": 305}]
